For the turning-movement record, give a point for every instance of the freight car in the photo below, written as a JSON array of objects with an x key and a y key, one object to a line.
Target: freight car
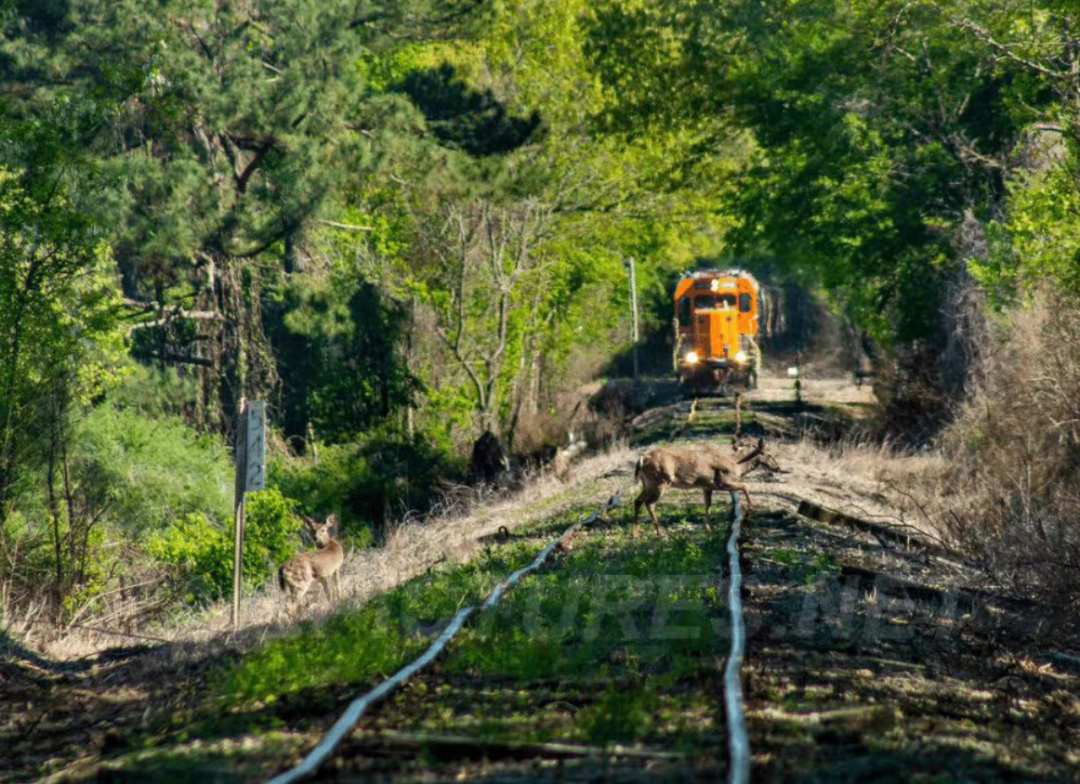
[{"x": 716, "y": 329}]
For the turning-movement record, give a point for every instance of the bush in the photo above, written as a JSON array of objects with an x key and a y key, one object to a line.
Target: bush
[
  {"x": 1011, "y": 495},
  {"x": 386, "y": 475},
  {"x": 150, "y": 471},
  {"x": 200, "y": 549},
  {"x": 203, "y": 549}
]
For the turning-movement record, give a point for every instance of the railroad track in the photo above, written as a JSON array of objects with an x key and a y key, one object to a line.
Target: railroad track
[{"x": 738, "y": 742}]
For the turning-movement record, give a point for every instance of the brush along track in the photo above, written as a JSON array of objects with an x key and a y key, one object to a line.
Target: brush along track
[{"x": 738, "y": 742}]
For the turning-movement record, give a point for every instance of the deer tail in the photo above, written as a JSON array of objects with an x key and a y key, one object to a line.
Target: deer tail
[
  {"x": 281, "y": 577},
  {"x": 637, "y": 468}
]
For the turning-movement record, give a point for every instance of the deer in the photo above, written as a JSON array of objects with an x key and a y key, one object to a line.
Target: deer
[
  {"x": 298, "y": 575},
  {"x": 706, "y": 468}
]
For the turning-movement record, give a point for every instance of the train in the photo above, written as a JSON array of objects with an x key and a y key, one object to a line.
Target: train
[{"x": 717, "y": 318}]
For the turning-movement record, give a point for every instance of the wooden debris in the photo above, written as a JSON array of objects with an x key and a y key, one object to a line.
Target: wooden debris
[{"x": 856, "y": 718}]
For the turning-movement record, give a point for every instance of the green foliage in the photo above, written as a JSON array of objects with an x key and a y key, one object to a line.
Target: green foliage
[
  {"x": 203, "y": 549},
  {"x": 1038, "y": 245},
  {"x": 270, "y": 530},
  {"x": 383, "y": 474},
  {"x": 58, "y": 328},
  {"x": 150, "y": 471},
  {"x": 344, "y": 337},
  {"x": 621, "y": 714}
]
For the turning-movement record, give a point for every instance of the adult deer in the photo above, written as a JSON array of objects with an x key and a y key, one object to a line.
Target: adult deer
[
  {"x": 703, "y": 468},
  {"x": 298, "y": 575}
]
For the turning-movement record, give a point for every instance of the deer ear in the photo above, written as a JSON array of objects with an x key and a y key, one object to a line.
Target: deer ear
[{"x": 331, "y": 521}]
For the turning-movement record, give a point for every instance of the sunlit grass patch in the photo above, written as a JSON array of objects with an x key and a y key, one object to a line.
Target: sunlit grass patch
[{"x": 357, "y": 646}]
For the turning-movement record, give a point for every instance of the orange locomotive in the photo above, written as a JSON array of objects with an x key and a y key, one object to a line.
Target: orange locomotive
[{"x": 716, "y": 329}]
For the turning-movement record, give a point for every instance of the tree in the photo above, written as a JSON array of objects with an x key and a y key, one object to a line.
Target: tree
[
  {"x": 58, "y": 318},
  {"x": 233, "y": 121}
]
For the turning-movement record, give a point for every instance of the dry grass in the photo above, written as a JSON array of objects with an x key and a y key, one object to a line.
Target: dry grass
[
  {"x": 863, "y": 480},
  {"x": 411, "y": 548},
  {"x": 1011, "y": 495}
]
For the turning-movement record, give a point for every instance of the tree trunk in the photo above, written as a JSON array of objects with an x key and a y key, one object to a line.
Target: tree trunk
[{"x": 54, "y": 510}]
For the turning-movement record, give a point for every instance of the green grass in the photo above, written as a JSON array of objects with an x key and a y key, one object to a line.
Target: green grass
[{"x": 357, "y": 647}]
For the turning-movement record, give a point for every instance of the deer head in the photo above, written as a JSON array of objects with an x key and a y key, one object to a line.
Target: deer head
[
  {"x": 761, "y": 457},
  {"x": 322, "y": 531}
]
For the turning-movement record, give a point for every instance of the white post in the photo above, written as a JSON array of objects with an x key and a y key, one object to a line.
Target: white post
[
  {"x": 238, "y": 509},
  {"x": 250, "y": 478},
  {"x": 634, "y": 315}
]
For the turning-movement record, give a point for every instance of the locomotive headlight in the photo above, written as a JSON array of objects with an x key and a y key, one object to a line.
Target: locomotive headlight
[
  {"x": 740, "y": 357},
  {"x": 691, "y": 357}
]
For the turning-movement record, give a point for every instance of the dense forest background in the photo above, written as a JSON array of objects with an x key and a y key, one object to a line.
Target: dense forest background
[{"x": 407, "y": 223}]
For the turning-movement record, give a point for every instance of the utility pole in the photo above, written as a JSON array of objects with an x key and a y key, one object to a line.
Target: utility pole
[{"x": 634, "y": 315}]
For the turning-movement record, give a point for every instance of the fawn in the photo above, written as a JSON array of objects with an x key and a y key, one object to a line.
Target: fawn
[
  {"x": 705, "y": 468},
  {"x": 297, "y": 576}
]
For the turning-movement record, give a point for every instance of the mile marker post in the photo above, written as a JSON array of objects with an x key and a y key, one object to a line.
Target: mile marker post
[
  {"x": 250, "y": 477},
  {"x": 634, "y": 315}
]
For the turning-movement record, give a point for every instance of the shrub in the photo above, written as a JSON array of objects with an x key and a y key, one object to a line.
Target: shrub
[
  {"x": 269, "y": 533},
  {"x": 383, "y": 476},
  {"x": 150, "y": 471},
  {"x": 203, "y": 549},
  {"x": 1010, "y": 498}
]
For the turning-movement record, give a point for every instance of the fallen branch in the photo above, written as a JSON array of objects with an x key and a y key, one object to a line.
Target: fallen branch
[
  {"x": 346, "y": 226},
  {"x": 178, "y": 315}
]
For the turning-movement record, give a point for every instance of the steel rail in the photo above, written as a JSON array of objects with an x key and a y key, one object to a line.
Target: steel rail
[{"x": 738, "y": 741}]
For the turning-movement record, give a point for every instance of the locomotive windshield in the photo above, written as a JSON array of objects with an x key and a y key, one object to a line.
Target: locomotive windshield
[{"x": 719, "y": 302}]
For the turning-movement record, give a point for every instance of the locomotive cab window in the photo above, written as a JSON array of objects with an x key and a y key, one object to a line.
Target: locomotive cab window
[
  {"x": 745, "y": 303},
  {"x": 684, "y": 310},
  {"x": 719, "y": 302}
]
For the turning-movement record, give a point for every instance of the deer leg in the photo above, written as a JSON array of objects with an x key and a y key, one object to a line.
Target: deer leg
[
  {"x": 293, "y": 603},
  {"x": 326, "y": 589},
  {"x": 650, "y": 505},
  {"x": 735, "y": 487},
  {"x": 708, "y": 504},
  {"x": 637, "y": 514}
]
